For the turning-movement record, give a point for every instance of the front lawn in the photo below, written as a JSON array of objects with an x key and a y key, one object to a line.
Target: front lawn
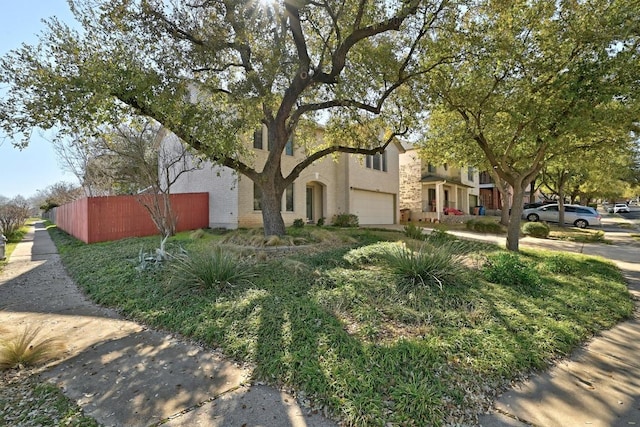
[{"x": 376, "y": 328}]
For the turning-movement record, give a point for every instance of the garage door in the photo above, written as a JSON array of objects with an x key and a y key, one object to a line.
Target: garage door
[{"x": 372, "y": 207}]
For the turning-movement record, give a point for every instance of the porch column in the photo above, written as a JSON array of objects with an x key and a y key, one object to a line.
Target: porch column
[{"x": 439, "y": 199}]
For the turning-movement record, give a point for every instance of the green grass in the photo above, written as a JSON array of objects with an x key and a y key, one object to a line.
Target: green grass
[
  {"x": 337, "y": 322},
  {"x": 24, "y": 401}
]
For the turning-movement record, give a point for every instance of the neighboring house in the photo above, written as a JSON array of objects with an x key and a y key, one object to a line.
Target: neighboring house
[
  {"x": 427, "y": 192},
  {"x": 366, "y": 186},
  {"x": 490, "y": 197}
]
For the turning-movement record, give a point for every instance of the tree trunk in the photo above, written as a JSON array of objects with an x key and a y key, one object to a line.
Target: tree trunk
[
  {"x": 271, "y": 212},
  {"x": 532, "y": 191},
  {"x": 513, "y": 229},
  {"x": 561, "y": 208}
]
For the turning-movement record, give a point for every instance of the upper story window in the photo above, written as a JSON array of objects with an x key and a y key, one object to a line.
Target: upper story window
[
  {"x": 257, "y": 139},
  {"x": 377, "y": 161},
  {"x": 288, "y": 149},
  {"x": 431, "y": 168},
  {"x": 470, "y": 173}
]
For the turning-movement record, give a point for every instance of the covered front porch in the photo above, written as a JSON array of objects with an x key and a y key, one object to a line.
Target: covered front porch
[{"x": 442, "y": 197}]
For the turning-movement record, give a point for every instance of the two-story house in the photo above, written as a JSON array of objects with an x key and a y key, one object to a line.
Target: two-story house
[
  {"x": 367, "y": 186},
  {"x": 431, "y": 191}
]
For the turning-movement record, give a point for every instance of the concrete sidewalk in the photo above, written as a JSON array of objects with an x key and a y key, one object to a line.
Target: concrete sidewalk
[
  {"x": 599, "y": 385},
  {"x": 124, "y": 374}
]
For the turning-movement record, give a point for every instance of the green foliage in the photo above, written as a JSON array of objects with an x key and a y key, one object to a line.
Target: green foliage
[
  {"x": 510, "y": 270},
  {"x": 369, "y": 254},
  {"x": 26, "y": 401},
  {"x": 440, "y": 235},
  {"x": 560, "y": 264},
  {"x": 536, "y": 229},
  {"x": 345, "y": 220},
  {"x": 414, "y": 232},
  {"x": 428, "y": 265},
  {"x": 298, "y": 223},
  {"x": 353, "y": 334},
  {"x": 215, "y": 269},
  {"x": 320, "y": 222},
  {"x": 484, "y": 226}
]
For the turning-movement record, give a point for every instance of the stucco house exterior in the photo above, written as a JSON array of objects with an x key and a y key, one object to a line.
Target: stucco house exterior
[
  {"x": 428, "y": 192},
  {"x": 367, "y": 186}
]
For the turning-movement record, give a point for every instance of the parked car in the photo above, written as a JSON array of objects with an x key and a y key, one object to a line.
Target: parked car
[
  {"x": 618, "y": 207},
  {"x": 580, "y": 216}
]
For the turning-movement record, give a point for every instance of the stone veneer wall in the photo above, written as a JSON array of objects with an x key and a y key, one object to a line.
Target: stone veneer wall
[{"x": 410, "y": 185}]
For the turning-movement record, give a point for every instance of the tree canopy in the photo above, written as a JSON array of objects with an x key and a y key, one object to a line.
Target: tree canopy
[
  {"x": 212, "y": 71},
  {"x": 535, "y": 81}
]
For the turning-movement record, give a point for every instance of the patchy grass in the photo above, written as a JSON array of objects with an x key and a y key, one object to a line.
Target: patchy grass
[
  {"x": 580, "y": 235},
  {"x": 334, "y": 320},
  {"x": 25, "y": 401}
]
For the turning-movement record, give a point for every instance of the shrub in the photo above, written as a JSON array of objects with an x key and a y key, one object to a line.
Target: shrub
[
  {"x": 345, "y": 220},
  {"x": 510, "y": 270},
  {"x": 414, "y": 232},
  {"x": 210, "y": 270},
  {"x": 320, "y": 222},
  {"x": 428, "y": 265},
  {"x": 369, "y": 254},
  {"x": 439, "y": 235},
  {"x": 298, "y": 223},
  {"x": 536, "y": 229},
  {"x": 484, "y": 226},
  {"x": 22, "y": 350}
]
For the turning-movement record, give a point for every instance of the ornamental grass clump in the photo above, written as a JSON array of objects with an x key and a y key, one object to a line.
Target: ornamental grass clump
[
  {"x": 427, "y": 265},
  {"x": 216, "y": 269},
  {"x": 23, "y": 349}
]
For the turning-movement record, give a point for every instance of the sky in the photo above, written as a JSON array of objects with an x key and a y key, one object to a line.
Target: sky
[{"x": 24, "y": 172}]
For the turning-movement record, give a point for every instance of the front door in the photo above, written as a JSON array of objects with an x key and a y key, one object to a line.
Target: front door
[{"x": 310, "y": 204}]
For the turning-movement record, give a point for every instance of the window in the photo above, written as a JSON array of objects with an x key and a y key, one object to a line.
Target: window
[
  {"x": 377, "y": 161},
  {"x": 257, "y": 197},
  {"x": 431, "y": 168},
  {"x": 470, "y": 173},
  {"x": 257, "y": 139},
  {"x": 446, "y": 167},
  {"x": 288, "y": 198},
  {"x": 288, "y": 149}
]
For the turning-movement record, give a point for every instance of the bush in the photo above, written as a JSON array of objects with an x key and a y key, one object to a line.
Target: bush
[
  {"x": 210, "y": 270},
  {"x": 428, "y": 265},
  {"x": 439, "y": 235},
  {"x": 345, "y": 220},
  {"x": 13, "y": 214},
  {"x": 536, "y": 229},
  {"x": 484, "y": 226},
  {"x": 414, "y": 232},
  {"x": 320, "y": 222},
  {"x": 510, "y": 270},
  {"x": 298, "y": 223}
]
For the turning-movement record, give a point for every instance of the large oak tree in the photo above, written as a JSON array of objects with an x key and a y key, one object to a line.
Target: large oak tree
[
  {"x": 212, "y": 71},
  {"x": 536, "y": 81}
]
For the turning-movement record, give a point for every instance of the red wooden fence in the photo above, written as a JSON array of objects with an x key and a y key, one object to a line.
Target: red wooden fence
[{"x": 101, "y": 219}]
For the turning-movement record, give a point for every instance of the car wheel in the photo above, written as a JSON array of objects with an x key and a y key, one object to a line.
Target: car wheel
[
  {"x": 581, "y": 223},
  {"x": 533, "y": 217}
]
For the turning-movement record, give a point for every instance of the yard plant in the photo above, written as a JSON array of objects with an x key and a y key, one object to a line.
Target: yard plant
[{"x": 343, "y": 321}]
